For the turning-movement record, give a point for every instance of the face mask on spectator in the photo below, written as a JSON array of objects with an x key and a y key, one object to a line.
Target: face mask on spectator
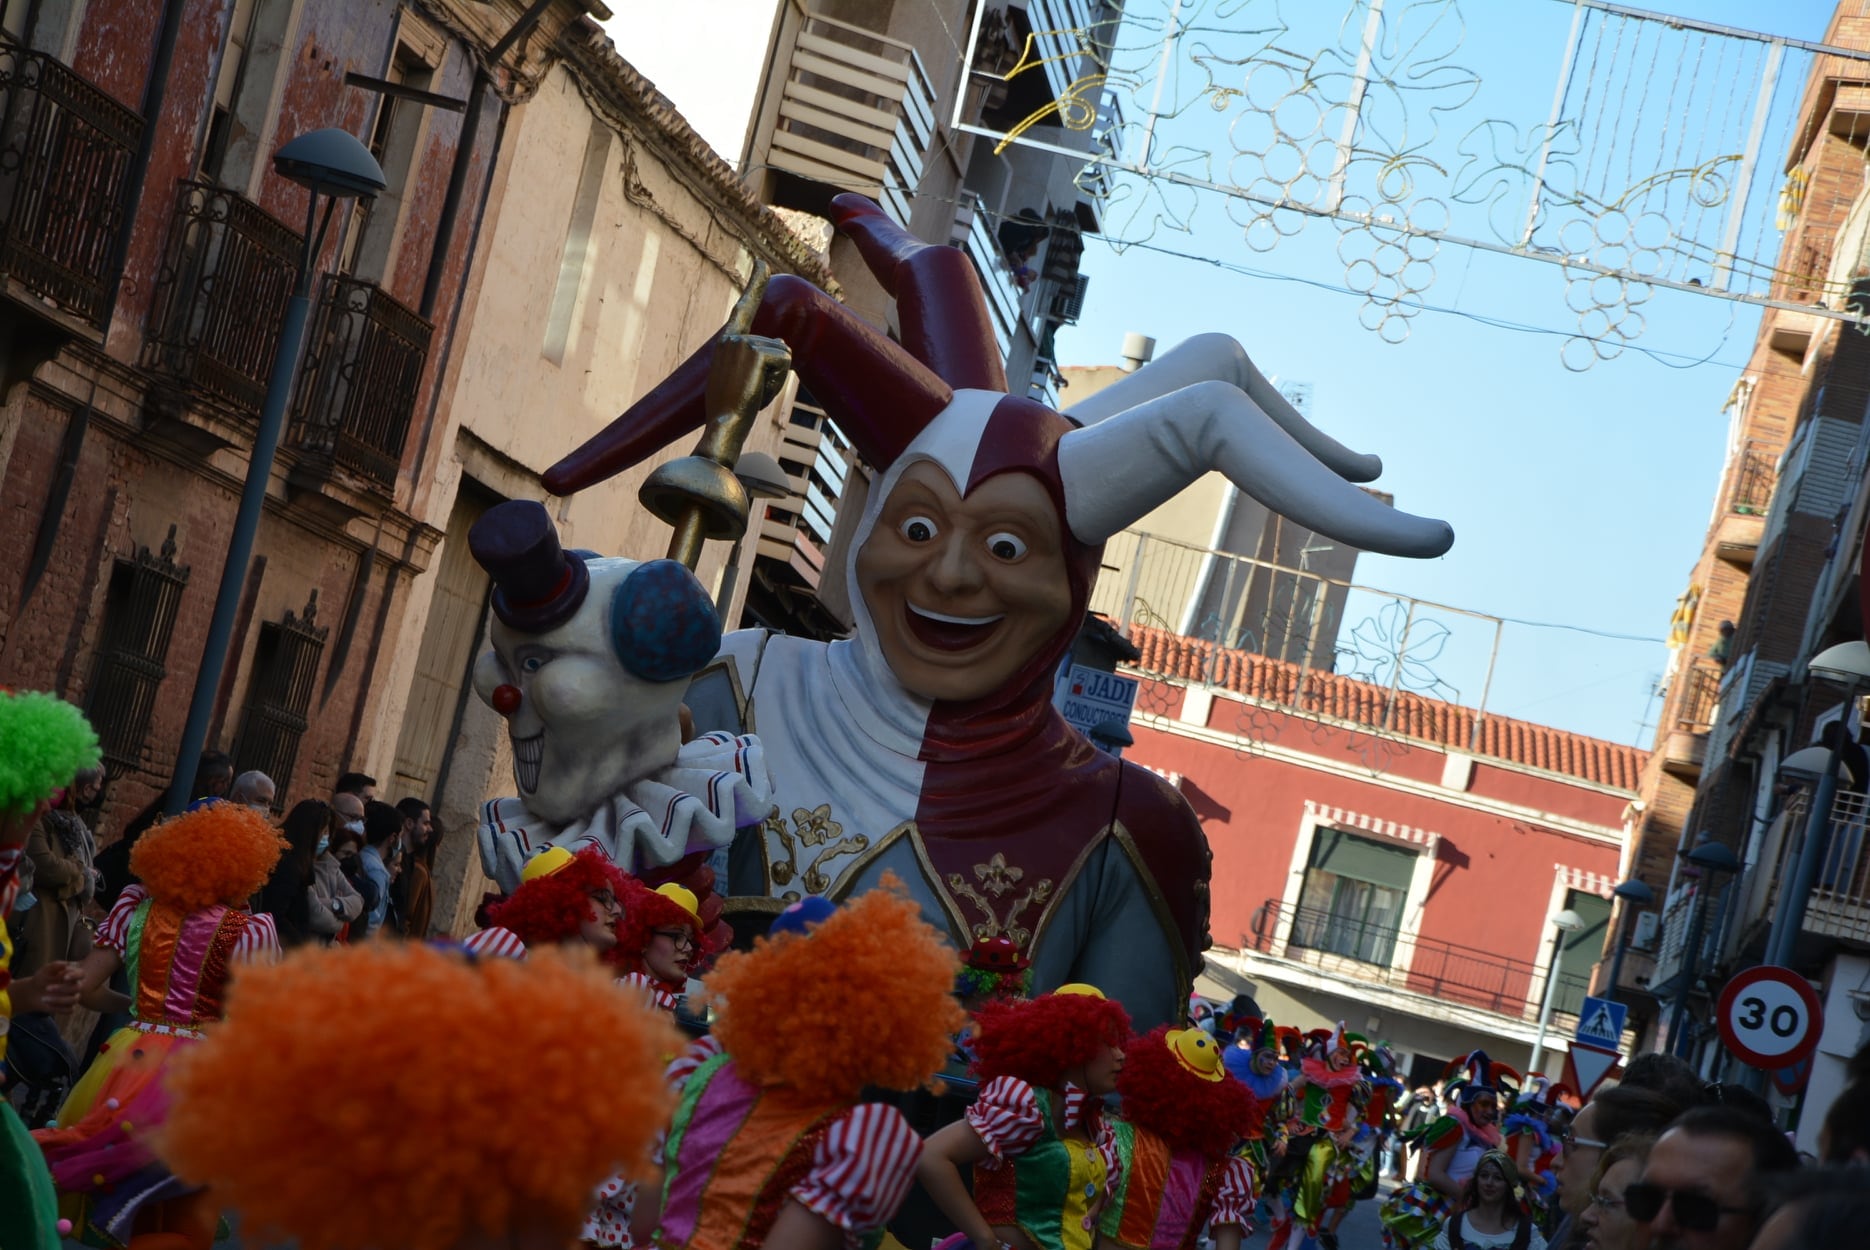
[{"x": 324, "y": 843}]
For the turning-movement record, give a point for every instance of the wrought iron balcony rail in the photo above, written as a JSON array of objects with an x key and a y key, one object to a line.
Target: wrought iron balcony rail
[
  {"x": 221, "y": 294},
  {"x": 1386, "y": 955},
  {"x": 1701, "y": 695},
  {"x": 361, "y": 378},
  {"x": 65, "y": 152},
  {"x": 1755, "y": 472},
  {"x": 1839, "y": 906}
]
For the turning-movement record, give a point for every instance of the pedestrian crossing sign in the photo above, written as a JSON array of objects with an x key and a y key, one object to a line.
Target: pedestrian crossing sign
[{"x": 1600, "y": 1022}]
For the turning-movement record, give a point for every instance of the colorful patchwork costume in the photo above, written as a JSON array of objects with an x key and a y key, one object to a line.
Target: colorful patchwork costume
[
  {"x": 44, "y": 742},
  {"x": 770, "y": 1113},
  {"x": 1416, "y": 1212},
  {"x": 1183, "y": 1115},
  {"x": 180, "y": 937}
]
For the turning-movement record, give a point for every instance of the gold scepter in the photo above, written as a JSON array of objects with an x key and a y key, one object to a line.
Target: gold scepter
[{"x": 699, "y": 494}]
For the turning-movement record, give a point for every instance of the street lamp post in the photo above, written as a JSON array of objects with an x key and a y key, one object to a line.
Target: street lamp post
[
  {"x": 1567, "y": 921},
  {"x": 1636, "y": 895},
  {"x": 334, "y": 165},
  {"x": 1848, "y": 664},
  {"x": 1709, "y": 857}
]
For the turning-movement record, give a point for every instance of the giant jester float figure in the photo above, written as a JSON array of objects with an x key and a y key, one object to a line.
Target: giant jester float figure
[{"x": 927, "y": 744}]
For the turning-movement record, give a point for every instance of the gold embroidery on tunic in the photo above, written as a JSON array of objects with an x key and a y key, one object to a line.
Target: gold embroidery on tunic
[
  {"x": 998, "y": 878},
  {"x": 809, "y": 828}
]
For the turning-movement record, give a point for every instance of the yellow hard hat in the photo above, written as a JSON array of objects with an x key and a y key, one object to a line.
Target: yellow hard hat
[
  {"x": 544, "y": 864},
  {"x": 1197, "y": 1052}
]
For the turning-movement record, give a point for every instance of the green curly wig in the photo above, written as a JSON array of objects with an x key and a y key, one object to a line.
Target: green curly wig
[{"x": 44, "y": 743}]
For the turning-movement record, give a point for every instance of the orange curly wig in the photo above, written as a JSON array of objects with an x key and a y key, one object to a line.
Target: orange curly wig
[
  {"x": 220, "y": 853},
  {"x": 549, "y": 910},
  {"x": 1041, "y": 1039},
  {"x": 1188, "y": 1113},
  {"x": 863, "y": 999},
  {"x": 397, "y": 1063}
]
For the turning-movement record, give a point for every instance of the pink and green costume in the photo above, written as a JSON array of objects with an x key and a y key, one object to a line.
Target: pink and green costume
[
  {"x": 1164, "y": 1198},
  {"x": 737, "y": 1152},
  {"x": 178, "y": 965}
]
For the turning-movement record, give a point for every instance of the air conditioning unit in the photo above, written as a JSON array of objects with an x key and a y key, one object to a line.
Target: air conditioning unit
[
  {"x": 1068, "y": 304},
  {"x": 1648, "y": 923}
]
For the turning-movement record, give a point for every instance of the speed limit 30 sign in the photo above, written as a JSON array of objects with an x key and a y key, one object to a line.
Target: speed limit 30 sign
[{"x": 1770, "y": 1017}]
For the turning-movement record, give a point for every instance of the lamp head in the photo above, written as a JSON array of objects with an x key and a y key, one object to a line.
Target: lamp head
[
  {"x": 330, "y": 162},
  {"x": 1711, "y": 856},
  {"x": 1636, "y": 893},
  {"x": 1568, "y": 921},
  {"x": 1848, "y": 663},
  {"x": 762, "y": 475}
]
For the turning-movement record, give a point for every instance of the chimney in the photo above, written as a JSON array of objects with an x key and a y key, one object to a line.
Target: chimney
[{"x": 1138, "y": 349}]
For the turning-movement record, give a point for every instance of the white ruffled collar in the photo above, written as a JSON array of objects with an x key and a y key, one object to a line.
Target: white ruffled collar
[{"x": 718, "y": 783}]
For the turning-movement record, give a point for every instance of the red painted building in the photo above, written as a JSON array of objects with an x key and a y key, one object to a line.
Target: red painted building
[{"x": 1382, "y": 857}]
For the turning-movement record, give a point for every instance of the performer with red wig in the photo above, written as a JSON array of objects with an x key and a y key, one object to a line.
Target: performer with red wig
[
  {"x": 1183, "y": 1116},
  {"x": 351, "y": 1100},
  {"x": 180, "y": 935},
  {"x": 771, "y": 1143},
  {"x": 1044, "y": 1156},
  {"x": 659, "y": 942},
  {"x": 562, "y": 898}
]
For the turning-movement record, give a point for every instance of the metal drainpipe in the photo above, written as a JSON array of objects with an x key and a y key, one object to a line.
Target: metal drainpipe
[{"x": 155, "y": 87}]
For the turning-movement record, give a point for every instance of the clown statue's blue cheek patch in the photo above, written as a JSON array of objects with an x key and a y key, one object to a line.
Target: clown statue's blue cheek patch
[{"x": 662, "y": 623}]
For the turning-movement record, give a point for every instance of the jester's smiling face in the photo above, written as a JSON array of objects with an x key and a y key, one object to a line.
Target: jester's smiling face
[{"x": 963, "y": 592}]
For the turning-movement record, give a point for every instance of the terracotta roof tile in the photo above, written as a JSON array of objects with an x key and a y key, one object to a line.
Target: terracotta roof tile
[{"x": 1412, "y": 715}]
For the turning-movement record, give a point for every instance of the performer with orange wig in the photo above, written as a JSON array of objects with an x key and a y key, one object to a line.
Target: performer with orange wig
[
  {"x": 180, "y": 935},
  {"x": 1043, "y": 1155},
  {"x": 1183, "y": 1116},
  {"x": 561, "y": 899},
  {"x": 351, "y": 1100},
  {"x": 771, "y": 1144}
]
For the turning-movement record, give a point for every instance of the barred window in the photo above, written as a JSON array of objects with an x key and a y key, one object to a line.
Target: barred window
[
  {"x": 131, "y": 660},
  {"x": 279, "y": 697}
]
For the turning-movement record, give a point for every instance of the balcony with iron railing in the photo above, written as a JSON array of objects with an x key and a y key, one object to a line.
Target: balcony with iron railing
[
  {"x": 1678, "y": 922},
  {"x": 1839, "y": 907},
  {"x": 1003, "y": 295},
  {"x": 359, "y": 381},
  {"x": 1751, "y": 476},
  {"x": 65, "y": 154},
  {"x": 856, "y": 113},
  {"x": 1684, "y": 748},
  {"x": 220, "y": 298},
  {"x": 1365, "y": 954}
]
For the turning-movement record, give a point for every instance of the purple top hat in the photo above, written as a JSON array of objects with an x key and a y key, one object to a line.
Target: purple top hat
[{"x": 537, "y": 585}]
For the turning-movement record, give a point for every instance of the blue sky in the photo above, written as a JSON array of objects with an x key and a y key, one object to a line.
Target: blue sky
[{"x": 1577, "y": 498}]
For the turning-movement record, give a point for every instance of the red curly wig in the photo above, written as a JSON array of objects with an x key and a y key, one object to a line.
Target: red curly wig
[
  {"x": 1159, "y": 1094},
  {"x": 327, "y": 1069},
  {"x": 645, "y": 911},
  {"x": 861, "y": 1000},
  {"x": 1040, "y": 1039},
  {"x": 547, "y": 911},
  {"x": 220, "y": 853}
]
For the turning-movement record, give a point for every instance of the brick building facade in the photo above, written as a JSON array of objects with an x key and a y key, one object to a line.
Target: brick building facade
[{"x": 1781, "y": 563}]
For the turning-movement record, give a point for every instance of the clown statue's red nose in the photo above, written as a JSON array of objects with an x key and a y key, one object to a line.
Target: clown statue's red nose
[{"x": 506, "y": 699}]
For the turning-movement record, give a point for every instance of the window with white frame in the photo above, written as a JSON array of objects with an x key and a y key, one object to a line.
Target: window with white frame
[{"x": 1352, "y": 900}]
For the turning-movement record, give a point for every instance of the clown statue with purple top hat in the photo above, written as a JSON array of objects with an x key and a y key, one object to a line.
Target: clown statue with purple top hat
[
  {"x": 590, "y": 661},
  {"x": 927, "y": 744}
]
